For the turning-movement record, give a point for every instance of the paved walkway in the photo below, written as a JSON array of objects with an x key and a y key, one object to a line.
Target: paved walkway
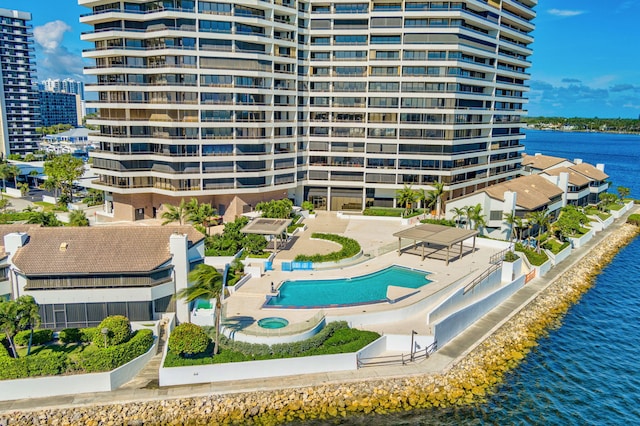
[{"x": 444, "y": 357}]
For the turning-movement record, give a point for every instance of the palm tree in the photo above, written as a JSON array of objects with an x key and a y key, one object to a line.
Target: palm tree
[
  {"x": 13, "y": 172},
  {"x": 200, "y": 214},
  {"x": 458, "y": 213},
  {"x": 175, "y": 213},
  {"x": 477, "y": 217},
  {"x": 406, "y": 197},
  {"x": 511, "y": 220},
  {"x": 78, "y": 218},
  {"x": 439, "y": 194},
  {"x": 542, "y": 219},
  {"x": 427, "y": 199},
  {"x": 8, "y": 324},
  {"x": 207, "y": 284},
  {"x": 28, "y": 316}
]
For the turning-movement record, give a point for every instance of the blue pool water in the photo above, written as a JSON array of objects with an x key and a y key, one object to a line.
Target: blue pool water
[{"x": 360, "y": 290}]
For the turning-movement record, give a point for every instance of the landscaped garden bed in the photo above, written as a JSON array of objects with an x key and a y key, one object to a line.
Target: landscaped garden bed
[
  {"x": 335, "y": 338},
  {"x": 76, "y": 351},
  {"x": 391, "y": 212},
  {"x": 349, "y": 249}
]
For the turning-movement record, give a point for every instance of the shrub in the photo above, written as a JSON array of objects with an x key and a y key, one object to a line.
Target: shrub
[
  {"x": 87, "y": 334},
  {"x": 349, "y": 249},
  {"x": 188, "y": 339},
  {"x": 40, "y": 337},
  {"x": 307, "y": 205},
  {"x": 106, "y": 359},
  {"x": 32, "y": 366},
  {"x": 70, "y": 335},
  {"x": 335, "y": 337},
  {"x": 443, "y": 222},
  {"x": 535, "y": 258},
  {"x": 119, "y": 331},
  {"x": 511, "y": 257},
  {"x": 634, "y": 219}
]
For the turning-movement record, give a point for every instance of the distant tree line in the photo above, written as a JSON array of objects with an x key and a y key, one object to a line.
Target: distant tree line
[{"x": 613, "y": 125}]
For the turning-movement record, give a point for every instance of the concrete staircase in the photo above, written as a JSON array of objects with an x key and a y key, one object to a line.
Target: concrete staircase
[{"x": 147, "y": 378}]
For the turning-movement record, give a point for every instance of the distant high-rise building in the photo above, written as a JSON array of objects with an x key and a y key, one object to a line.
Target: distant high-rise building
[
  {"x": 341, "y": 103},
  {"x": 19, "y": 102},
  {"x": 60, "y": 108},
  {"x": 67, "y": 85}
]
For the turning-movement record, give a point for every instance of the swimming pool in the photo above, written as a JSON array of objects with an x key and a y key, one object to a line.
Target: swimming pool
[{"x": 365, "y": 289}]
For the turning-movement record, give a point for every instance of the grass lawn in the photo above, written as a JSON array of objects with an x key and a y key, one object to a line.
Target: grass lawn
[
  {"x": 390, "y": 212},
  {"x": 70, "y": 349},
  {"x": 595, "y": 212},
  {"x": 615, "y": 206},
  {"x": 555, "y": 246},
  {"x": 48, "y": 207}
]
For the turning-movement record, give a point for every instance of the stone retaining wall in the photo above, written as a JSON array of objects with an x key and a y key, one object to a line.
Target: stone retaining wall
[{"x": 467, "y": 381}]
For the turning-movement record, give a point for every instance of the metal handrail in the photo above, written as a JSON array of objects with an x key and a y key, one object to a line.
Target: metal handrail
[{"x": 402, "y": 359}]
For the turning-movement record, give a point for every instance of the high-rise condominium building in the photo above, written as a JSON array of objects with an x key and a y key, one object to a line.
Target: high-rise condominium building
[
  {"x": 19, "y": 103},
  {"x": 68, "y": 85},
  {"x": 339, "y": 102},
  {"x": 59, "y": 108}
]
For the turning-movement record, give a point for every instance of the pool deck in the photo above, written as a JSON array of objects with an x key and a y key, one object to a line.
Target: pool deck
[
  {"x": 375, "y": 237},
  {"x": 440, "y": 360}
]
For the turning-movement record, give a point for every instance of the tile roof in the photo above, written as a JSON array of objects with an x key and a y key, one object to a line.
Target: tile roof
[
  {"x": 589, "y": 171},
  {"x": 100, "y": 249},
  {"x": 11, "y": 228},
  {"x": 540, "y": 161},
  {"x": 533, "y": 191},
  {"x": 575, "y": 179}
]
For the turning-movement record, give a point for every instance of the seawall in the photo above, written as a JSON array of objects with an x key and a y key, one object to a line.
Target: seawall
[{"x": 468, "y": 379}]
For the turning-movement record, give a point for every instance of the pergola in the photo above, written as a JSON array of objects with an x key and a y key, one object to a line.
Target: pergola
[
  {"x": 264, "y": 226},
  {"x": 438, "y": 235}
]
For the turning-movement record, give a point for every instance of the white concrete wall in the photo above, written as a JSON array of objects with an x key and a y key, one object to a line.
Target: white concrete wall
[
  {"x": 40, "y": 387},
  {"x": 557, "y": 258},
  {"x": 376, "y": 348},
  {"x": 5, "y": 287},
  {"x": 459, "y": 321},
  {"x": 99, "y": 295},
  {"x": 13, "y": 192},
  {"x": 511, "y": 270},
  {"x": 257, "y": 369},
  {"x": 274, "y": 338},
  {"x": 49, "y": 199},
  {"x": 579, "y": 242},
  {"x": 459, "y": 299}
]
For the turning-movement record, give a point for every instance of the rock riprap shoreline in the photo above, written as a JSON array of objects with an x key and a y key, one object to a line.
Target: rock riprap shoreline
[{"x": 467, "y": 381}]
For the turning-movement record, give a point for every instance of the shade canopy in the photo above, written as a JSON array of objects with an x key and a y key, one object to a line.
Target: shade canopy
[{"x": 438, "y": 235}]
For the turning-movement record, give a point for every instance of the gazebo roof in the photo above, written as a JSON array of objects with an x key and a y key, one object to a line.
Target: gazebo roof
[
  {"x": 436, "y": 234},
  {"x": 264, "y": 226}
]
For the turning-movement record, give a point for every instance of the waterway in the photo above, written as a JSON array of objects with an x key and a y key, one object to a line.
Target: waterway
[{"x": 586, "y": 371}]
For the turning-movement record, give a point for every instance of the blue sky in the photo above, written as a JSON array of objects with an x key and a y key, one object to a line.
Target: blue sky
[{"x": 586, "y": 60}]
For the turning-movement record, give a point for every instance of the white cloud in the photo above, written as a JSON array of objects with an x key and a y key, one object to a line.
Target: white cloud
[
  {"x": 565, "y": 12},
  {"x": 50, "y": 35}
]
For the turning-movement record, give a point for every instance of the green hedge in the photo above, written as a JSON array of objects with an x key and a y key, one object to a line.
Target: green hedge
[
  {"x": 70, "y": 335},
  {"x": 40, "y": 337},
  {"x": 87, "y": 334},
  {"x": 4, "y": 351},
  {"x": 33, "y": 366},
  {"x": 112, "y": 357},
  {"x": 634, "y": 219},
  {"x": 443, "y": 222},
  {"x": 349, "y": 249},
  {"x": 390, "y": 212},
  {"x": 535, "y": 258},
  {"x": 334, "y": 338}
]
